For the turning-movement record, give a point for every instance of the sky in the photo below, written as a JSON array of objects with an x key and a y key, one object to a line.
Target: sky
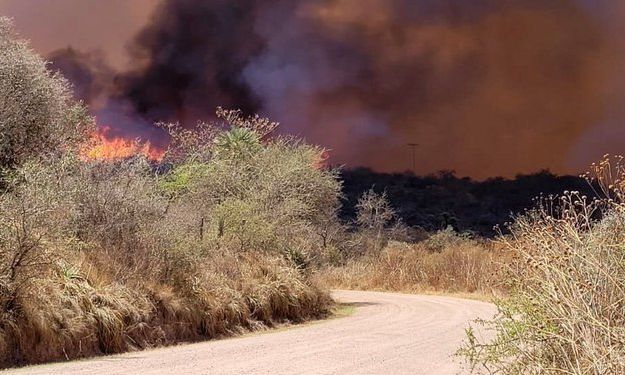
[
  {"x": 486, "y": 88},
  {"x": 84, "y": 24}
]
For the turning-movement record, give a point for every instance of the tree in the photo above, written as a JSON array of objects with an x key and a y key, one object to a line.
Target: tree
[
  {"x": 374, "y": 214},
  {"x": 237, "y": 143},
  {"x": 37, "y": 113}
]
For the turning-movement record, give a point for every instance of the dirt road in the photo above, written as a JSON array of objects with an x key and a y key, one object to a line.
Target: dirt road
[{"x": 387, "y": 334}]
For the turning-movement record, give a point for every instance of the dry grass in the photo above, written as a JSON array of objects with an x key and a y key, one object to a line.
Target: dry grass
[
  {"x": 76, "y": 313},
  {"x": 455, "y": 265},
  {"x": 565, "y": 314}
]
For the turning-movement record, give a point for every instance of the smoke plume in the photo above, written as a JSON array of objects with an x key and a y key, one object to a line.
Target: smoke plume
[
  {"x": 190, "y": 59},
  {"x": 485, "y": 87}
]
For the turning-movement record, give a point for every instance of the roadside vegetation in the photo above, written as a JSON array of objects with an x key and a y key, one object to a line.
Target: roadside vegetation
[
  {"x": 564, "y": 313},
  {"x": 382, "y": 253},
  {"x": 446, "y": 262},
  {"x": 237, "y": 229},
  {"x": 556, "y": 274},
  {"x": 101, "y": 257}
]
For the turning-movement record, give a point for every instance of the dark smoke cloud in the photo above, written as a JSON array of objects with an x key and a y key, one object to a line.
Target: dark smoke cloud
[
  {"x": 90, "y": 76},
  {"x": 485, "y": 87},
  {"x": 94, "y": 82},
  {"x": 190, "y": 60}
]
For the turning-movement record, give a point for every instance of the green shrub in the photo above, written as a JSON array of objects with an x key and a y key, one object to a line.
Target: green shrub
[
  {"x": 272, "y": 197},
  {"x": 447, "y": 237}
]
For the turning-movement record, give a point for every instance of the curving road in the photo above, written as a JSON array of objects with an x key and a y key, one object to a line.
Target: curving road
[{"x": 387, "y": 334}]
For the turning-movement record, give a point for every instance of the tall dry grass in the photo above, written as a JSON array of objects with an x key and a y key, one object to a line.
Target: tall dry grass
[
  {"x": 77, "y": 311},
  {"x": 445, "y": 262},
  {"x": 565, "y": 314}
]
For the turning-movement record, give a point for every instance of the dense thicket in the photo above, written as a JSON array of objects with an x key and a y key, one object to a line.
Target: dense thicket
[
  {"x": 437, "y": 201},
  {"x": 107, "y": 256}
]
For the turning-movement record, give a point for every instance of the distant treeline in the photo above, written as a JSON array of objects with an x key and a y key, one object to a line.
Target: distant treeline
[{"x": 438, "y": 201}]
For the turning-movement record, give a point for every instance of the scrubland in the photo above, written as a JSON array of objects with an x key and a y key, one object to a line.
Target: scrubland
[
  {"x": 104, "y": 256},
  {"x": 235, "y": 229},
  {"x": 556, "y": 274},
  {"x": 238, "y": 228}
]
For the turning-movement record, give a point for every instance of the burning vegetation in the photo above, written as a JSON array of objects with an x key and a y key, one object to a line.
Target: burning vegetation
[
  {"x": 102, "y": 145},
  {"x": 99, "y": 258}
]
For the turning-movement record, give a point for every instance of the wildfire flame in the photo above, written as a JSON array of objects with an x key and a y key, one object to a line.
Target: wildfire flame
[{"x": 104, "y": 146}]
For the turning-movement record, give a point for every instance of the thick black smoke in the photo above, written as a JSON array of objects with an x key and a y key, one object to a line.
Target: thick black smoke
[
  {"x": 87, "y": 72},
  {"x": 190, "y": 59}
]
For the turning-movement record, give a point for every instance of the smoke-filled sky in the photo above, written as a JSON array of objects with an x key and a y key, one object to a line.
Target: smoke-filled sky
[{"x": 485, "y": 87}]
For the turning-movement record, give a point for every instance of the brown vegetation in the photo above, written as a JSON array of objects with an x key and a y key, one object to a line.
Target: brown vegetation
[
  {"x": 444, "y": 262},
  {"x": 565, "y": 311},
  {"x": 107, "y": 256}
]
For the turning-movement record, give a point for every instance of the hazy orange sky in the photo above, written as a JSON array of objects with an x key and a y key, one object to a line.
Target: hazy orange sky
[{"x": 83, "y": 24}]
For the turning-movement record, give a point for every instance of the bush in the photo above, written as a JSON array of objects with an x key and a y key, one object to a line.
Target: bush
[
  {"x": 98, "y": 257},
  {"x": 37, "y": 114},
  {"x": 565, "y": 311},
  {"x": 446, "y": 238},
  {"x": 108, "y": 256},
  {"x": 270, "y": 197}
]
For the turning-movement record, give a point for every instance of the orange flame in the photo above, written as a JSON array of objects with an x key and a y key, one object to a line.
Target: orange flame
[{"x": 104, "y": 146}]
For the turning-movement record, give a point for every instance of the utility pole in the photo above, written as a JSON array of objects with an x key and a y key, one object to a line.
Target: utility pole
[{"x": 413, "y": 146}]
